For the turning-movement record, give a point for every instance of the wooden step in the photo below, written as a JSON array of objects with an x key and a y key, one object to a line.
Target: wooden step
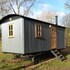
[
  {"x": 57, "y": 54},
  {"x": 61, "y": 56},
  {"x": 63, "y": 59}
]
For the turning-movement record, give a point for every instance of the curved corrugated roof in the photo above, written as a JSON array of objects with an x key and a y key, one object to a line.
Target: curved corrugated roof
[
  {"x": 8, "y": 16},
  {"x": 12, "y": 15}
]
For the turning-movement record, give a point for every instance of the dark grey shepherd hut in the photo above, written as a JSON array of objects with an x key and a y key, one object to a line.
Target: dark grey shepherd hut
[{"x": 23, "y": 35}]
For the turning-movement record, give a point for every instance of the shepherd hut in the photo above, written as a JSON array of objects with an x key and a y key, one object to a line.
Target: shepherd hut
[{"x": 24, "y": 35}]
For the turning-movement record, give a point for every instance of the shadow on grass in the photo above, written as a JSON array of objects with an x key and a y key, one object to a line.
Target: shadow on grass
[
  {"x": 66, "y": 51},
  {"x": 44, "y": 57},
  {"x": 18, "y": 68}
]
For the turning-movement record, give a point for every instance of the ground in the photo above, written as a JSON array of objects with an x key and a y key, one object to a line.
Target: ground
[
  {"x": 55, "y": 64},
  {"x": 8, "y": 63}
]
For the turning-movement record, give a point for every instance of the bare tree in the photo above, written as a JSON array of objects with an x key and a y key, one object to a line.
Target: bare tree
[
  {"x": 26, "y": 4},
  {"x": 67, "y": 4},
  {"x": 2, "y": 8},
  {"x": 16, "y": 6},
  {"x": 48, "y": 16},
  {"x": 66, "y": 20}
]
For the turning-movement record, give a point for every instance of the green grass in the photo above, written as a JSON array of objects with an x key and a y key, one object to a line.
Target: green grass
[
  {"x": 0, "y": 43},
  {"x": 7, "y": 63},
  {"x": 55, "y": 64}
]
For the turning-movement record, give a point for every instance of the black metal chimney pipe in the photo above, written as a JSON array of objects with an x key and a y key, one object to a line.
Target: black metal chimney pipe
[{"x": 56, "y": 18}]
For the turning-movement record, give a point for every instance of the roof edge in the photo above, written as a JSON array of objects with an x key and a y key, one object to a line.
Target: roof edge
[{"x": 11, "y": 15}]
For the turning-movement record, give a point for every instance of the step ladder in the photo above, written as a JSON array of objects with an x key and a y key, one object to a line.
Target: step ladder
[{"x": 58, "y": 54}]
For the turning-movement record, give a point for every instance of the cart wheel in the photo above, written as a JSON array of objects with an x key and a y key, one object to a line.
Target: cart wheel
[{"x": 35, "y": 60}]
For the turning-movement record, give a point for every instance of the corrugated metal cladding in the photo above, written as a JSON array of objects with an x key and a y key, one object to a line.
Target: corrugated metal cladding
[
  {"x": 60, "y": 37},
  {"x": 33, "y": 44},
  {"x": 24, "y": 41}
]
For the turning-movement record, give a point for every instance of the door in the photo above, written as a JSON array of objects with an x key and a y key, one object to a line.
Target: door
[{"x": 52, "y": 36}]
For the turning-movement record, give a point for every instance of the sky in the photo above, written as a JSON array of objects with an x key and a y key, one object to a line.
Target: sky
[
  {"x": 53, "y": 5},
  {"x": 47, "y": 5}
]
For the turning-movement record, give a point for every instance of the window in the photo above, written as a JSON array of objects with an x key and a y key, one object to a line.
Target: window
[
  {"x": 38, "y": 31},
  {"x": 10, "y": 31}
]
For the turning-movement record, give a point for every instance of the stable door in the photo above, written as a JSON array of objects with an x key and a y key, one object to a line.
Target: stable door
[{"x": 52, "y": 36}]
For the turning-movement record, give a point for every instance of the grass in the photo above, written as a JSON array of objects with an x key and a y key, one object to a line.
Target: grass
[
  {"x": 8, "y": 63},
  {"x": 0, "y": 43},
  {"x": 55, "y": 65}
]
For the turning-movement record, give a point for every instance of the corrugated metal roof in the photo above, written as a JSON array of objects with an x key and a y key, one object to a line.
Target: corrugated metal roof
[{"x": 17, "y": 15}]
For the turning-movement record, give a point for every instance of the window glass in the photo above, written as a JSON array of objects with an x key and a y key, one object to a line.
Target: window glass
[
  {"x": 10, "y": 34},
  {"x": 38, "y": 31}
]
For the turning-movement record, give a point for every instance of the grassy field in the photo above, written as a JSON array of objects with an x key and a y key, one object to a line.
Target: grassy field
[{"x": 8, "y": 63}]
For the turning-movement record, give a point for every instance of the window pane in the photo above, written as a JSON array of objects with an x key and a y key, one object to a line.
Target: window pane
[
  {"x": 9, "y": 27},
  {"x": 10, "y": 30},
  {"x": 37, "y": 30},
  {"x": 12, "y": 33},
  {"x": 9, "y": 33}
]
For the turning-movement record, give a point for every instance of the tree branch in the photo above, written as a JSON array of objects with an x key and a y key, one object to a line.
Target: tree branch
[
  {"x": 29, "y": 8},
  {"x": 21, "y": 3},
  {"x": 12, "y": 7}
]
